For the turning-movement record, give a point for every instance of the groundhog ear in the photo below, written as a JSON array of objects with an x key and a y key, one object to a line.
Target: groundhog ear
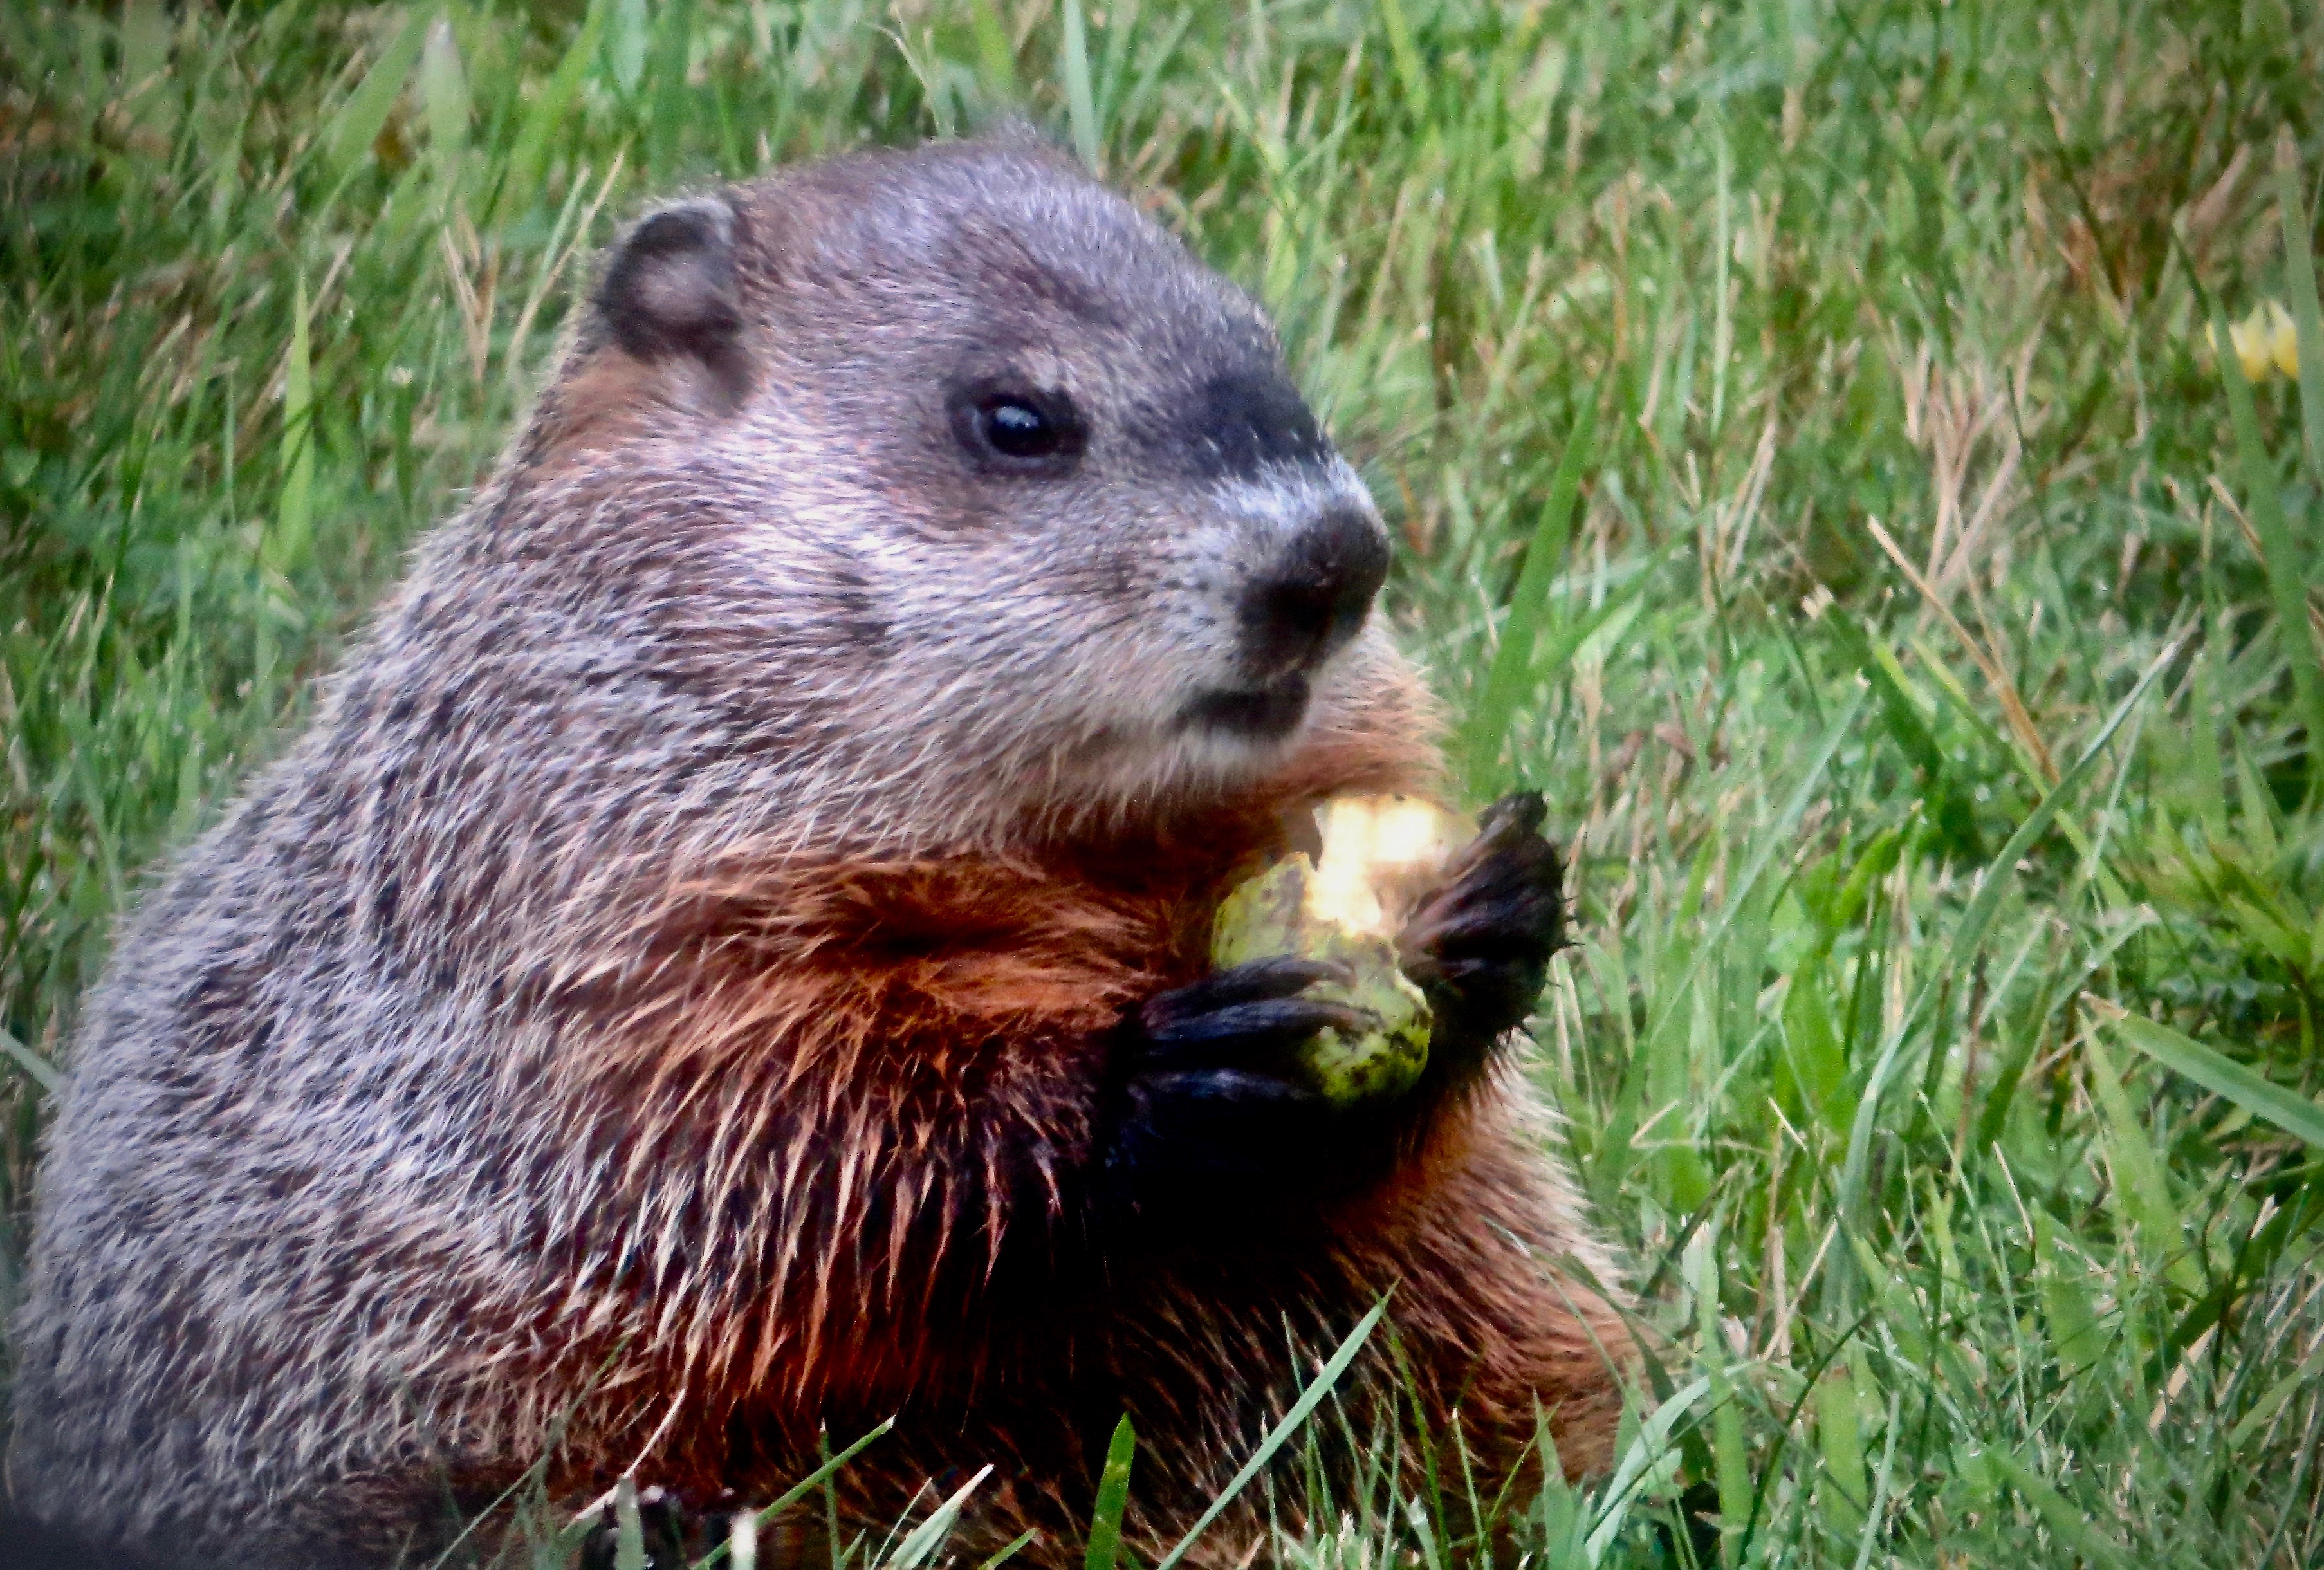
[{"x": 671, "y": 293}]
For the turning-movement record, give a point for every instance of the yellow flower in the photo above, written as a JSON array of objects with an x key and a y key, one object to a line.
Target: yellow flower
[
  {"x": 2284, "y": 340},
  {"x": 2265, "y": 341}
]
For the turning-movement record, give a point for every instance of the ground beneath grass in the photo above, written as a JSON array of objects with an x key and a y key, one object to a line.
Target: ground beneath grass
[{"x": 1813, "y": 473}]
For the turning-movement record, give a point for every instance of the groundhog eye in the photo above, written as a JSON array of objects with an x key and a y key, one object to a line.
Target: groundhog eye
[
  {"x": 1022, "y": 431},
  {"x": 1019, "y": 430}
]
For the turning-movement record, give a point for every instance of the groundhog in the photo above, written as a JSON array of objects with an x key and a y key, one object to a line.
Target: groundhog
[{"x": 726, "y": 963}]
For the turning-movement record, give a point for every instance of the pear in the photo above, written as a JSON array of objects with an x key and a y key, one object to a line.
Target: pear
[{"x": 1344, "y": 905}]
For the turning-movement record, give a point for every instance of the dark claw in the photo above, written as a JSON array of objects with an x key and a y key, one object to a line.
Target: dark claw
[
  {"x": 1522, "y": 924},
  {"x": 1257, "y": 982},
  {"x": 1247, "y": 1030},
  {"x": 1515, "y": 817},
  {"x": 1465, "y": 972},
  {"x": 1480, "y": 946}
]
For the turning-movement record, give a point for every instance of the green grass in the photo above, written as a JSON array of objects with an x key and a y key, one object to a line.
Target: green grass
[{"x": 1943, "y": 1035}]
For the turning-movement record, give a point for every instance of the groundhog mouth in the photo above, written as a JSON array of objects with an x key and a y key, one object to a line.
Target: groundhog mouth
[{"x": 1259, "y": 713}]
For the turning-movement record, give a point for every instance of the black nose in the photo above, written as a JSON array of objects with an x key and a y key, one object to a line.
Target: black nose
[{"x": 1313, "y": 598}]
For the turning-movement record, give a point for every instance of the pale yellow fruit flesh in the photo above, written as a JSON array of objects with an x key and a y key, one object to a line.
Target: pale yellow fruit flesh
[
  {"x": 1378, "y": 853},
  {"x": 1375, "y": 848}
]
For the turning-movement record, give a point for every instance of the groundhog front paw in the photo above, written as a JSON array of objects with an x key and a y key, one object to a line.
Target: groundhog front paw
[
  {"x": 1208, "y": 1103},
  {"x": 1480, "y": 948}
]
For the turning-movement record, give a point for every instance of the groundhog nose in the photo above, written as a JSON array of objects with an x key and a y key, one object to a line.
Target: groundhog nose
[{"x": 1314, "y": 596}]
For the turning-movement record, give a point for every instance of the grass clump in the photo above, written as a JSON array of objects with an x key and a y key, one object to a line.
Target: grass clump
[{"x": 1813, "y": 471}]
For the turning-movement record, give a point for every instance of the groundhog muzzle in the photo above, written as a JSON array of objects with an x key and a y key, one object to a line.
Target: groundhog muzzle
[{"x": 726, "y": 961}]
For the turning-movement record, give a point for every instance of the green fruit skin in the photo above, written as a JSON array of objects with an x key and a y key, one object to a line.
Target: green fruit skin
[{"x": 1266, "y": 916}]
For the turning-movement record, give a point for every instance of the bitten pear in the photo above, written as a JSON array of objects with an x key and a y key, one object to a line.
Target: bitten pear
[{"x": 1345, "y": 907}]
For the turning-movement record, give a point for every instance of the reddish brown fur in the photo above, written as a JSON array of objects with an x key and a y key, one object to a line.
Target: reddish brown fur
[
  {"x": 606, "y": 404},
  {"x": 925, "y": 1023}
]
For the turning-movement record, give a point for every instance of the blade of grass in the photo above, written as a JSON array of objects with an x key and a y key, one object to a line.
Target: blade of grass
[
  {"x": 444, "y": 101},
  {"x": 2299, "y": 282},
  {"x": 2141, "y": 1187},
  {"x": 294, "y": 517},
  {"x": 1839, "y": 1441},
  {"x": 1081, "y": 108},
  {"x": 996, "y": 62},
  {"x": 628, "y": 43},
  {"x": 673, "y": 51},
  {"x": 2262, "y": 1097},
  {"x": 629, "y": 1526},
  {"x": 528, "y": 163},
  {"x": 145, "y": 43},
  {"x": 351, "y": 132},
  {"x": 1876, "y": 1513},
  {"x": 1015, "y": 1547},
  {"x": 1112, "y": 1498},
  {"x": 2076, "y": 1335},
  {"x": 1410, "y": 75},
  {"x": 1512, "y": 665},
  {"x": 929, "y": 1536},
  {"x": 1729, "y": 1464},
  {"x": 43, "y": 1073},
  {"x": 1652, "y": 1446},
  {"x": 1121, "y": 17}
]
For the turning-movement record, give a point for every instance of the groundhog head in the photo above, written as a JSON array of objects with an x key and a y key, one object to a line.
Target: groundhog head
[{"x": 962, "y": 440}]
